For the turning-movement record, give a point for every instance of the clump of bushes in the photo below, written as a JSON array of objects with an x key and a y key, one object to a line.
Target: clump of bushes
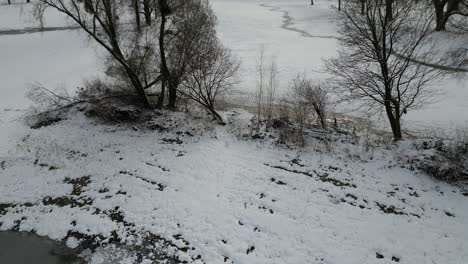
[{"x": 449, "y": 158}]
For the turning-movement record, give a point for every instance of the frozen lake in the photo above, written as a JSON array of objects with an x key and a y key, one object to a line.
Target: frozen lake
[{"x": 299, "y": 36}]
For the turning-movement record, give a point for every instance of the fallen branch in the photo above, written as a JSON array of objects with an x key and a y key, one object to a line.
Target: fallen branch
[{"x": 82, "y": 101}]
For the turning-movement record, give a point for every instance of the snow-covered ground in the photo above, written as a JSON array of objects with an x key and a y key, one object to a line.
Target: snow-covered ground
[
  {"x": 200, "y": 187},
  {"x": 212, "y": 194}
]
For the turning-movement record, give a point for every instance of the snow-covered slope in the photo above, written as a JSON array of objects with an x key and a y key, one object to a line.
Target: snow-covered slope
[{"x": 229, "y": 200}]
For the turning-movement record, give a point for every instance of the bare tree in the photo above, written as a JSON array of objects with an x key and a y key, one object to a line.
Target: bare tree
[
  {"x": 314, "y": 96},
  {"x": 260, "y": 84},
  {"x": 271, "y": 91},
  {"x": 211, "y": 73},
  {"x": 300, "y": 109},
  {"x": 377, "y": 64},
  {"x": 282, "y": 124},
  {"x": 100, "y": 19},
  {"x": 318, "y": 98},
  {"x": 267, "y": 82}
]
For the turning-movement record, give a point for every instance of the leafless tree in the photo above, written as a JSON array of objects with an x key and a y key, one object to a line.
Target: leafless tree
[
  {"x": 314, "y": 96},
  {"x": 101, "y": 20},
  {"x": 271, "y": 91},
  {"x": 318, "y": 98},
  {"x": 267, "y": 82},
  {"x": 283, "y": 122},
  {"x": 260, "y": 84},
  {"x": 377, "y": 64},
  {"x": 300, "y": 108},
  {"x": 211, "y": 73}
]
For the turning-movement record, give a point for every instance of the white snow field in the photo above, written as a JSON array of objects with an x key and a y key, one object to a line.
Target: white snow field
[{"x": 211, "y": 195}]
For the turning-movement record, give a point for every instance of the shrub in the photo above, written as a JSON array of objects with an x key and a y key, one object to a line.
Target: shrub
[{"x": 449, "y": 161}]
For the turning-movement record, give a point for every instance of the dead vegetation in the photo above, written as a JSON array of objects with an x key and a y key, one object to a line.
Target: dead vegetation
[{"x": 446, "y": 159}]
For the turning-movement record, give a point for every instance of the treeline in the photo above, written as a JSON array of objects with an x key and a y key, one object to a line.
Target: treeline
[{"x": 442, "y": 10}]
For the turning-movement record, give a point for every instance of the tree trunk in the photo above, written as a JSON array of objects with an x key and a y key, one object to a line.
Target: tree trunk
[
  {"x": 339, "y": 5},
  {"x": 394, "y": 120},
  {"x": 136, "y": 8},
  {"x": 9, "y": 2},
  {"x": 171, "y": 81},
  {"x": 162, "y": 94},
  {"x": 455, "y": 5},
  {"x": 131, "y": 74},
  {"x": 389, "y": 10},
  {"x": 323, "y": 120},
  {"x": 217, "y": 116},
  {"x": 147, "y": 11},
  {"x": 363, "y": 7},
  {"x": 162, "y": 52},
  {"x": 172, "y": 89},
  {"x": 397, "y": 131},
  {"x": 137, "y": 85},
  {"x": 441, "y": 18}
]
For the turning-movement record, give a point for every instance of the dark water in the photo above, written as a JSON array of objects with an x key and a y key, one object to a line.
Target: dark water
[{"x": 26, "y": 248}]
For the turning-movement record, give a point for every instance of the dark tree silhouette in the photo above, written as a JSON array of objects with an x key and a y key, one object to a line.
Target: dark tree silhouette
[{"x": 376, "y": 63}]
